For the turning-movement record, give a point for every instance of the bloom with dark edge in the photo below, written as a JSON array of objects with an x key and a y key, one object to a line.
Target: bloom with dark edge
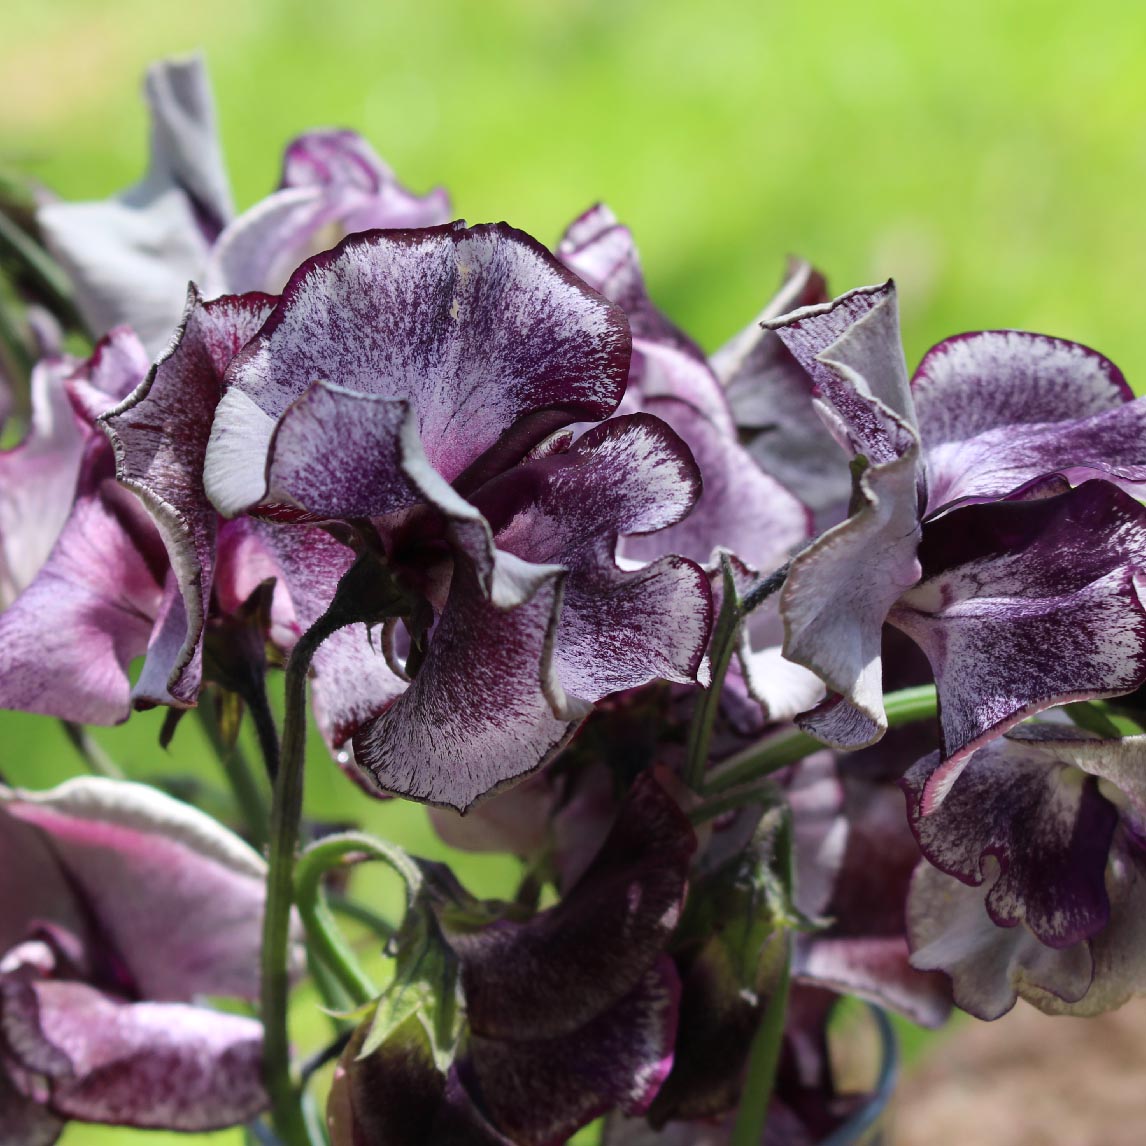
[
  {"x": 994, "y": 521},
  {"x": 413, "y": 386},
  {"x": 119, "y": 907}
]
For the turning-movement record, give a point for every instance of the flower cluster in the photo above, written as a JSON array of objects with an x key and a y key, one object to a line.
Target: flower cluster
[{"x": 786, "y": 674}]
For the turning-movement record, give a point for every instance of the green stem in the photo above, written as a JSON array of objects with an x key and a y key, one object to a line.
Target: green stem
[
  {"x": 322, "y": 931},
  {"x": 41, "y": 266},
  {"x": 763, "y": 1059},
  {"x": 722, "y": 647},
  {"x": 97, "y": 761},
  {"x": 778, "y": 751},
  {"x": 232, "y": 759},
  {"x": 360, "y": 913},
  {"x": 286, "y": 812},
  {"x": 731, "y": 801}
]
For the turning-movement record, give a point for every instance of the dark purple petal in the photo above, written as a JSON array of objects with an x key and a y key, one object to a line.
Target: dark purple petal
[
  {"x": 1024, "y": 605},
  {"x": 25, "y": 1121},
  {"x": 541, "y": 1091},
  {"x": 485, "y": 708},
  {"x": 333, "y": 185},
  {"x": 989, "y": 966},
  {"x": 178, "y": 898},
  {"x": 553, "y": 975},
  {"x": 160, "y": 438},
  {"x": 619, "y": 628},
  {"x": 130, "y": 258},
  {"x": 476, "y": 329},
  {"x": 149, "y": 1065},
  {"x": 68, "y": 639},
  {"x": 117, "y": 365},
  {"x": 1047, "y": 827}
]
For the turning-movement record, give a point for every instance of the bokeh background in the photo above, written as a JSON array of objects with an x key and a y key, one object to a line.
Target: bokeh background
[{"x": 988, "y": 154}]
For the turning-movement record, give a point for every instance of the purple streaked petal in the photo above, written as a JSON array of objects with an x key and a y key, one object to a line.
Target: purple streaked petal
[
  {"x": 851, "y": 350},
  {"x": 130, "y": 258},
  {"x": 435, "y": 318},
  {"x": 177, "y": 896},
  {"x": 619, "y": 628},
  {"x": 1024, "y": 605},
  {"x": 984, "y": 381},
  {"x": 1044, "y": 823},
  {"x": 486, "y": 707},
  {"x": 38, "y": 479},
  {"x": 117, "y": 365},
  {"x": 160, "y": 434},
  {"x": 1005, "y": 460},
  {"x": 556, "y": 973},
  {"x": 148, "y": 1065},
  {"x": 67, "y": 640},
  {"x": 539, "y": 1092},
  {"x": 989, "y": 966}
]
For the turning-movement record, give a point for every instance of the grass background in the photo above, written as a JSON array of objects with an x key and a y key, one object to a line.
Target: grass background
[{"x": 987, "y": 153}]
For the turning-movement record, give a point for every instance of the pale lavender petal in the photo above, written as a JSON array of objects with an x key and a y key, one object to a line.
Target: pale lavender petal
[
  {"x": 1024, "y": 605},
  {"x": 177, "y": 895},
  {"x": 1047, "y": 828},
  {"x": 477, "y": 329},
  {"x": 989, "y": 966},
  {"x": 160, "y": 434},
  {"x": 541, "y": 1091},
  {"x": 38, "y": 479},
  {"x": 148, "y": 1065},
  {"x": 333, "y": 184},
  {"x": 771, "y": 400},
  {"x": 130, "y": 258},
  {"x": 485, "y": 708},
  {"x": 838, "y": 594},
  {"x": 68, "y": 639},
  {"x": 515, "y": 821}
]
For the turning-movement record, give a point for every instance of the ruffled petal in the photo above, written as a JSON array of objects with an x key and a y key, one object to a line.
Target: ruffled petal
[
  {"x": 553, "y": 975},
  {"x": 485, "y": 708},
  {"x": 333, "y": 185},
  {"x": 1046, "y": 825},
  {"x": 160, "y": 434},
  {"x": 1024, "y": 605},
  {"x": 130, "y": 258},
  {"x": 68, "y": 639},
  {"x": 149, "y": 1065},
  {"x": 479, "y": 330},
  {"x": 178, "y": 897},
  {"x": 541, "y": 1091},
  {"x": 989, "y": 966}
]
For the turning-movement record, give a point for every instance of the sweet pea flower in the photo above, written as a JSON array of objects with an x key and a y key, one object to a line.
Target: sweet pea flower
[
  {"x": 568, "y": 1014},
  {"x": 130, "y": 258},
  {"x": 743, "y": 510},
  {"x": 1034, "y": 882},
  {"x": 410, "y": 385},
  {"x": 994, "y": 524},
  {"x": 121, "y": 908}
]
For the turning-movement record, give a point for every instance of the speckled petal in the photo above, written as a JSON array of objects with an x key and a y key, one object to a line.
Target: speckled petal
[
  {"x": 159, "y": 434},
  {"x": 148, "y": 1065},
  {"x": 480, "y": 330},
  {"x": 1024, "y": 605}
]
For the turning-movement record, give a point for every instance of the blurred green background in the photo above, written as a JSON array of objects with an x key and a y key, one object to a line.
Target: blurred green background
[{"x": 989, "y": 154}]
